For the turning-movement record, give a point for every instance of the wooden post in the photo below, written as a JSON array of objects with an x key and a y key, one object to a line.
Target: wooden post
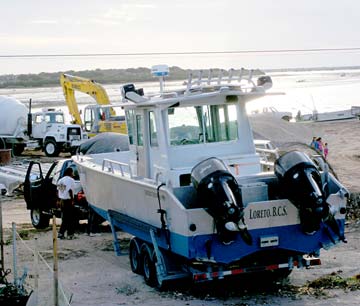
[
  {"x": 55, "y": 266},
  {"x": 36, "y": 280},
  {"x": 2, "y": 267},
  {"x": 14, "y": 253}
]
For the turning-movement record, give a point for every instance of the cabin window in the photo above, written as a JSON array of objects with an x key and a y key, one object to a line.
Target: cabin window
[
  {"x": 38, "y": 118},
  {"x": 139, "y": 130},
  {"x": 184, "y": 125},
  {"x": 152, "y": 128},
  {"x": 130, "y": 125},
  {"x": 89, "y": 119},
  {"x": 202, "y": 124}
]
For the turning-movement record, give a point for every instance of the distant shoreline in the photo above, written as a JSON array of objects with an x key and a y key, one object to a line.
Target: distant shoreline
[{"x": 130, "y": 75}]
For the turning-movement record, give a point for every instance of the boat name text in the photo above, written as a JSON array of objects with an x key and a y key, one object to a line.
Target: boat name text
[{"x": 278, "y": 211}]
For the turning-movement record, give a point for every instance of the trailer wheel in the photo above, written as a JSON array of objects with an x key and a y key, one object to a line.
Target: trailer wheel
[
  {"x": 38, "y": 219},
  {"x": 148, "y": 265},
  {"x": 51, "y": 149},
  {"x": 159, "y": 284},
  {"x": 281, "y": 274},
  {"x": 134, "y": 256}
]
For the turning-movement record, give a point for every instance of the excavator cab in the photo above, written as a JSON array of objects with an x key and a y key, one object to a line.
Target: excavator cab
[{"x": 98, "y": 118}]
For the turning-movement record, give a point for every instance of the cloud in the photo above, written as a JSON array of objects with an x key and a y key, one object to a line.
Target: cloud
[
  {"x": 19, "y": 40},
  {"x": 127, "y": 12},
  {"x": 44, "y": 21}
]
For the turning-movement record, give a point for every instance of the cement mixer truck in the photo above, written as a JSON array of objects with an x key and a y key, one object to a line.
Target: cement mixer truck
[{"x": 45, "y": 129}]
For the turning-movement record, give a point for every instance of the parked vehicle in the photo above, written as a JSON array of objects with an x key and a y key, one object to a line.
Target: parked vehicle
[
  {"x": 273, "y": 112},
  {"x": 53, "y": 135},
  {"x": 40, "y": 192},
  {"x": 45, "y": 129}
]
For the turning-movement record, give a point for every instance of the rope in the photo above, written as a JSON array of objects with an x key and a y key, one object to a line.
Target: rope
[{"x": 49, "y": 267}]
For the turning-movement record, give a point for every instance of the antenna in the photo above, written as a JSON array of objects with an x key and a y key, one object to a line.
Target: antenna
[
  {"x": 315, "y": 112},
  {"x": 160, "y": 71}
]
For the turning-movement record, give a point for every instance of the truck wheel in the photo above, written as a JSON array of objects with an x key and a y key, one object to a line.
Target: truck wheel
[
  {"x": 18, "y": 149},
  {"x": 286, "y": 118},
  {"x": 134, "y": 256},
  {"x": 148, "y": 265},
  {"x": 51, "y": 149},
  {"x": 38, "y": 219},
  {"x": 3, "y": 143}
]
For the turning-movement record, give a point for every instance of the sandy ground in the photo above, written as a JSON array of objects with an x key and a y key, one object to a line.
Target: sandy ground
[{"x": 93, "y": 275}]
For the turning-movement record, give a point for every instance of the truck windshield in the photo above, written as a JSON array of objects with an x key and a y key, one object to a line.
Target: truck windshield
[
  {"x": 202, "y": 124},
  {"x": 54, "y": 118}
]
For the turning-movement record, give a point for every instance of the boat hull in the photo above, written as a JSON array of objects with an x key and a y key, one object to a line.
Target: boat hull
[{"x": 132, "y": 205}]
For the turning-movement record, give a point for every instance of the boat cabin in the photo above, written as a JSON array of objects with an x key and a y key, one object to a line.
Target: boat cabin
[{"x": 171, "y": 132}]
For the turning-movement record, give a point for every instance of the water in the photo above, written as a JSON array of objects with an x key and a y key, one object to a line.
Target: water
[{"x": 324, "y": 90}]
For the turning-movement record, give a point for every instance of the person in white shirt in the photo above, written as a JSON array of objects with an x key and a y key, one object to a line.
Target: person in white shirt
[{"x": 65, "y": 187}]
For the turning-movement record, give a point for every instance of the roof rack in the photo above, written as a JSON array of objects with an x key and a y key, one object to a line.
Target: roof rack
[
  {"x": 206, "y": 81},
  {"x": 232, "y": 77}
]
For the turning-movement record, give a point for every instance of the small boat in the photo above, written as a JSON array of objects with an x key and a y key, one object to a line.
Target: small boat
[
  {"x": 336, "y": 115},
  {"x": 192, "y": 192},
  {"x": 352, "y": 113}
]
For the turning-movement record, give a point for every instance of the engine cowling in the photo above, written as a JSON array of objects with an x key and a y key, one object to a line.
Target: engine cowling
[
  {"x": 302, "y": 183},
  {"x": 219, "y": 190}
]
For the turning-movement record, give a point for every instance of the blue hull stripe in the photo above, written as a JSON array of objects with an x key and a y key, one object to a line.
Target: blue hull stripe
[{"x": 290, "y": 237}]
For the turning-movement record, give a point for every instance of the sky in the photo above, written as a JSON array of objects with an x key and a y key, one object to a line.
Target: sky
[{"x": 143, "y": 26}]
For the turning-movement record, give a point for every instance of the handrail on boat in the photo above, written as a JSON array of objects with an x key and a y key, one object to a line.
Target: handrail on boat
[
  {"x": 114, "y": 162},
  {"x": 220, "y": 79}
]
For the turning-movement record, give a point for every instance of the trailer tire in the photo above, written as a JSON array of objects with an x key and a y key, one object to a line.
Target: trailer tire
[
  {"x": 274, "y": 276},
  {"x": 38, "y": 219},
  {"x": 281, "y": 274},
  {"x": 51, "y": 149},
  {"x": 148, "y": 265},
  {"x": 162, "y": 284},
  {"x": 135, "y": 257}
]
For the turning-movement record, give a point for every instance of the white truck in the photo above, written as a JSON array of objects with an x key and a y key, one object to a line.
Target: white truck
[{"x": 45, "y": 129}]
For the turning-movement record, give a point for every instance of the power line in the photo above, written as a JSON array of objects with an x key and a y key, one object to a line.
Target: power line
[{"x": 280, "y": 51}]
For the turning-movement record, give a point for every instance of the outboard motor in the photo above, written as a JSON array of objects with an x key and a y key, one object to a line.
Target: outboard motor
[
  {"x": 219, "y": 190},
  {"x": 302, "y": 183}
]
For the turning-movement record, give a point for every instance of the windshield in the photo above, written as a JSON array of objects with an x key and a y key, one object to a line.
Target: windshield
[
  {"x": 54, "y": 118},
  {"x": 202, "y": 124}
]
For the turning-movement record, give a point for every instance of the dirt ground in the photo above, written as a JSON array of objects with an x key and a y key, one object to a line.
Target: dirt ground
[{"x": 93, "y": 275}]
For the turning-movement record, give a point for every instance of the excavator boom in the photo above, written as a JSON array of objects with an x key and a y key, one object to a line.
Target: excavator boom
[
  {"x": 98, "y": 118},
  {"x": 72, "y": 83}
]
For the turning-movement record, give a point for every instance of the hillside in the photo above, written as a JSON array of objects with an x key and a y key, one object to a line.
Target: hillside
[{"x": 102, "y": 76}]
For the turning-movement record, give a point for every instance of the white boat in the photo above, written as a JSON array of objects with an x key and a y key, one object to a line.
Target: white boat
[
  {"x": 191, "y": 190},
  {"x": 352, "y": 113}
]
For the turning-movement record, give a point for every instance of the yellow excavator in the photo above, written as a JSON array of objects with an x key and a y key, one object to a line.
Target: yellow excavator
[{"x": 98, "y": 118}]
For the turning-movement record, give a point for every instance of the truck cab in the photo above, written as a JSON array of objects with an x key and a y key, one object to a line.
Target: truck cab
[{"x": 53, "y": 135}]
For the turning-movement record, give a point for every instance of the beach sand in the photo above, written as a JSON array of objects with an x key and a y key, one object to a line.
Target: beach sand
[{"x": 342, "y": 136}]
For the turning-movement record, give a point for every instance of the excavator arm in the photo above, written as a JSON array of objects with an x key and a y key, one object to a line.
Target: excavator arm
[{"x": 71, "y": 83}]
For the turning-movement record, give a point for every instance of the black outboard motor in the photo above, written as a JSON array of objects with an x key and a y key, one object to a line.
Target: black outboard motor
[
  {"x": 219, "y": 190},
  {"x": 302, "y": 183}
]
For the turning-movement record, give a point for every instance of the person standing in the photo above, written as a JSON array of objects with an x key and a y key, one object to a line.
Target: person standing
[
  {"x": 319, "y": 145},
  {"x": 313, "y": 142},
  {"x": 326, "y": 150},
  {"x": 65, "y": 187}
]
